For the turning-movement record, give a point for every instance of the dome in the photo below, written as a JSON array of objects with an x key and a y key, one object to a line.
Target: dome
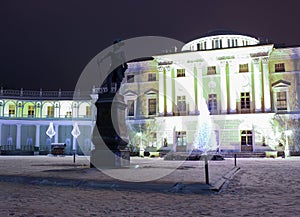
[{"x": 218, "y": 39}]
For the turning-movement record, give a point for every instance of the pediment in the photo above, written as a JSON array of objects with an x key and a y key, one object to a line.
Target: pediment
[{"x": 281, "y": 84}]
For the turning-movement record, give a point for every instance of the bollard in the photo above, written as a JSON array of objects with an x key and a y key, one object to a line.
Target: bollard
[
  {"x": 235, "y": 160},
  {"x": 206, "y": 170},
  {"x": 74, "y": 157}
]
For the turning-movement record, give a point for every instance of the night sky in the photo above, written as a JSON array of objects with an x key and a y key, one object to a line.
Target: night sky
[{"x": 47, "y": 43}]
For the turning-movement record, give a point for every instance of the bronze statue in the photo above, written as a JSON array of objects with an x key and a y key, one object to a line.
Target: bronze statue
[{"x": 118, "y": 65}]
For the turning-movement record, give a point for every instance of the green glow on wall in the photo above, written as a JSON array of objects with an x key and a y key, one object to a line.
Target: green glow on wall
[
  {"x": 173, "y": 89},
  {"x": 196, "y": 88}
]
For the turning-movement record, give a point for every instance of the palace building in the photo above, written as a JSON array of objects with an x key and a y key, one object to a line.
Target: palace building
[
  {"x": 26, "y": 115},
  {"x": 250, "y": 88}
]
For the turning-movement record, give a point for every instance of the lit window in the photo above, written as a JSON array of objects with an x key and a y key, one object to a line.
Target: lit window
[
  {"x": 151, "y": 106},
  {"x": 130, "y": 78},
  {"x": 244, "y": 68},
  {"x": 50, "y": 111},
  {"x": 181, "y": 138},
  {"x": 30, "y": 111},
  {"x": 152, "y": 77},
  {"x": 130, "y": 108},
  {"x": 246, "y": 138},
  {"x": 88, "y": 111},
  {"x": 211, "y": 70},
  {"x": 245, "y": 100},
  {"x": 279, "y": 67},
  {"x": 11, "y": 110},
  {"x": 281, "y": 101},
  {"x": 212, "y": 103},
  {"x": 180, "y": 72},
  {"x": 68, "y": 114}
]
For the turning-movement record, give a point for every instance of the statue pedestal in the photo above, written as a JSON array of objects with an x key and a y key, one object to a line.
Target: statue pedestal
[{"x": 110, "y": 133}]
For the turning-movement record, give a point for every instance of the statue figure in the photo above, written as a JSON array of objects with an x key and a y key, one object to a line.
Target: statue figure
[{"x": 118, "y": 65}]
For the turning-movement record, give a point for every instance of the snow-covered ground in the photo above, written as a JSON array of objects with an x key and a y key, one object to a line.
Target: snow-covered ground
[{"x": 262, "y": 187}]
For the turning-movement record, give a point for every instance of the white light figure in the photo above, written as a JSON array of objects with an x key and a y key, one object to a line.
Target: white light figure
[
  {"x": 75, "y": 133},
  {"x": 50, "y": 131},
  {"x": 204, "y": 139}
]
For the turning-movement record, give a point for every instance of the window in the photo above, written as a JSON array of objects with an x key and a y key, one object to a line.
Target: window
[
  {"x": 211, "y": 70},
  {"x": 30, "y": 111},
  {"x": 180, "y": 72},
  {"x": 68, "y": 114},
  {"x": 217, "y": 44},
  {"x": 245, "y": 100},
  {"x": 232, "y": 43},
  {"x": 151, "y": 106},
  {"x": 88, "y": 111},
  {"x": 228, "y": 42},
  {"x": 181, "y": 138},
  {"x": 181, "y": 104},
  {"x": 11, "y": 110},
  {"x": 246, "y": 138},
  {"x": 198, "y": 46},
  {"x": 50, "y": 111},
  {"x": 130, "y": 108},
  {"x": 152, "y": 77},
  {"x": 281, "y": 101},
  {"x": 212, "y": 103},
  {"x": 279, "y": 67},
  {"x": 244, "y": 68},
  {"x": 130, "y": 78}
]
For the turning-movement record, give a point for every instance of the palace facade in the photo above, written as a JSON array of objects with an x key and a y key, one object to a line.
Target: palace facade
[
  {"x": 25, "y": 116},
  {"x": 250, "y": 89}
]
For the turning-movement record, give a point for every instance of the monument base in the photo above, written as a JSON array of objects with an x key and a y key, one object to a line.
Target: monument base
[{"x": 110, "y": 158}]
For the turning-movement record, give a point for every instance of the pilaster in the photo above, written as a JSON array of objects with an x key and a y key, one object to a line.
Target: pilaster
[{"x": 266, "y": 85}]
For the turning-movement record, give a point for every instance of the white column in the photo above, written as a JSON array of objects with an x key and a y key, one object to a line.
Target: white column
[
  {"x": 18, "y": 142},
  {"x": 257, "y": 85},
  {"x": 233, "y": 86},
  {"x": 169, "y": 90},
  {"x": 37, "y": 136},
  {"x": 267, "y": 97},
  {"x": 1, "y": 134},
  {"x": 56, "y": 133},
  {"x": 200, "y": 85},
  {"x": 161, "y": 90},
  {"x": 223, "y": 87}
]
